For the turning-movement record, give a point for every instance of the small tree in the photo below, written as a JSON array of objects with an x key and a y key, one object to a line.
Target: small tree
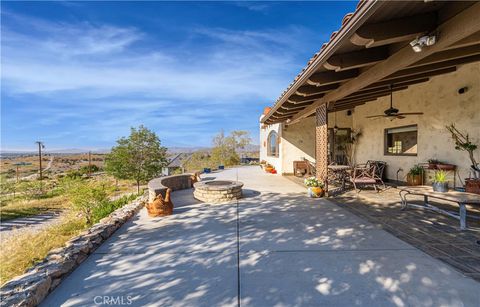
[
  {"x": 86, "y": 196},
  {"x": 139, "y": 157},
  {"x": 240, "y": 139}
]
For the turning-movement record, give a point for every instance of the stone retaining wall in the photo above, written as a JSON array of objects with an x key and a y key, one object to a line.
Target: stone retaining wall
[
  {"x": 32, "y": 287},
  {"x": 175, "y": 182}
]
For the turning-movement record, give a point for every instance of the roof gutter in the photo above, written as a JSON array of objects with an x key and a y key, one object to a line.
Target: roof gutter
[{"x": 357, "y": 19}]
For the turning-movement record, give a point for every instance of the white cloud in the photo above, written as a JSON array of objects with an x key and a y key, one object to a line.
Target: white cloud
[{"x": 115, "y": 76}]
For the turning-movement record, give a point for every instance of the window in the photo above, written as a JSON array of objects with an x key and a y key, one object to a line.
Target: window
[
  {"x": 401, "y": 141},
  {"x": 272, "y": 144}
]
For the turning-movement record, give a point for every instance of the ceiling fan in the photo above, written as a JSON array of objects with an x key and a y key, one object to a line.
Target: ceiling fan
[{"x": 392, "y": 112}]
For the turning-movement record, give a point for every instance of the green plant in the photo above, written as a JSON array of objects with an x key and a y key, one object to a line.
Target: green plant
[
  {"x": 415, "y": 170},
  {"x": 313, "y": 182},
  {"x": 139, "y": 157},
  {"x": 440, "y": 177},
  {"x": 86, "y": 197},
  {"x": 462, "y": 142},
  {"x": 107, "y": 207}
]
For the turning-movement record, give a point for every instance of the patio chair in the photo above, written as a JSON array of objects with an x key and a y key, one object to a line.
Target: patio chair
[
  {"x": 379, "y": 170},
  {"x": 311, "y": 170},
  {"x": 364, "y": 174}
]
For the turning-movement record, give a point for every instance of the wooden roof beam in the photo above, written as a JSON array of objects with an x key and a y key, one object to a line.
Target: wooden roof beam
[
  {"x": 294, "y": 107},
  {"x": 329, "y": 77},
  {"x": 309, "y": 90},
  {"x": 453, "y": 30},
  {"x": 411, "y": 71},
  {"x": 468, "y": 41},
  {"x": 356, "y": 59},
  {"x": 450, "y": 54},
  {"x": 394, "y": 31},
  {"x": 299, "y": 99}
]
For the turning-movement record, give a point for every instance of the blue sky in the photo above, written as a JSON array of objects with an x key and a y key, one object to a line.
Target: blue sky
[{"x": 80, "y": 74}]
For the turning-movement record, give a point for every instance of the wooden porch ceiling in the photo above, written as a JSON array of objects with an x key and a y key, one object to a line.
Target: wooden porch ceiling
[{"x": 377, "y": 55}]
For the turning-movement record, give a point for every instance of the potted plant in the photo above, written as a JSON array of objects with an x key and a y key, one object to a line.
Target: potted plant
[
  {"x": 463, "y": 143},
  {"x": 432, "y": 163},
  {"x": 414, "y": 176},
  {"x": 440, "y": 183},
  {"x": 269, "y": 168},
  {"x": 315, "y": 187}
]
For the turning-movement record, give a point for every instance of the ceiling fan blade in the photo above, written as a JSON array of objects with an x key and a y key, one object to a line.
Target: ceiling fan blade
[
  {"x": 376, "y": 116},
  {"x": 411, "y": 113}
]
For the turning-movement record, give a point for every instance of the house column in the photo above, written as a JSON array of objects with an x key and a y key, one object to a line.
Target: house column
[{"x": 321, "y": 144}]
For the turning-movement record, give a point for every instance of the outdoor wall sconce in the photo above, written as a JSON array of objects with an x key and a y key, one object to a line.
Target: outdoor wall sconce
[
  {"x": 418, "y": 43},
  {"x": 463, "y": 90}
]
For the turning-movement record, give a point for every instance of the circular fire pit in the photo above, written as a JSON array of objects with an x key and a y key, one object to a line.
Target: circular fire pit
[{"x": 217, "y": 191}]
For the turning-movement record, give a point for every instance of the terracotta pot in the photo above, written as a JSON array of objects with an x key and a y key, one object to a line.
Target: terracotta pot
[
  {"x": 413, "y": 180},
  {"x": 315, "y": 192},
  {"x": 472, "y": 186},
  {"x": 268, "y": 169},
  {"x": 446, "y": 167}
]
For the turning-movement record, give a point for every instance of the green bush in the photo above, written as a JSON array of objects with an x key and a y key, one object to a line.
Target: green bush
[
  {"x": 108, "y": 207},
  {"x": 84, "y": 169},
  {"x": 86, "y": 196}
]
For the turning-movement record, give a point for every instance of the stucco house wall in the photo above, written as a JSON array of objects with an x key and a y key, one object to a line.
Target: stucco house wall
[
  {"x": 438, "y": 99},
  {"x": 441, "y": 104},
  {"x": 296, "y": 141}
]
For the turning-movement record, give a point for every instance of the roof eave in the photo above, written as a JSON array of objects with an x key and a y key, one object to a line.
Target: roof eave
[{"x": 357, "y": 19}]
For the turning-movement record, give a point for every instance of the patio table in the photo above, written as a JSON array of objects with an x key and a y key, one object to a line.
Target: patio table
[
  {"x": 340, "y": 172},
  {"x": 461, "y": 198}
]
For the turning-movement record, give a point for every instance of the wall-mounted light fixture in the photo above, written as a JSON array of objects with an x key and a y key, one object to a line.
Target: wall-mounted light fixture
[{"x": 420, "y": 42}]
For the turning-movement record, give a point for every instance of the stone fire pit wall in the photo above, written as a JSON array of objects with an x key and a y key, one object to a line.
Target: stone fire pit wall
[
  {"x": 217, "y": 191},
  {"x": 175, "y": 182}
]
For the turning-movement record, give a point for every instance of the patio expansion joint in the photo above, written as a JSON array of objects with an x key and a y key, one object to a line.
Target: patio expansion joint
[{"x": 329, "y": 251}]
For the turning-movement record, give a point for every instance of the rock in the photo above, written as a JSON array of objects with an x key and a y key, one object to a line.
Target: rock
[{"x": 40, "y": 289}]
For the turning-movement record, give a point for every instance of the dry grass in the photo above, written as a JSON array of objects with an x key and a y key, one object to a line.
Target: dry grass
[
  {"x": 24, "y": 248},
  {"x": 22, "y": 207}
]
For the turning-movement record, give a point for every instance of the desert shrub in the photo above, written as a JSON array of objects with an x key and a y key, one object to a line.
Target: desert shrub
[
  {"x": 84, "y": 169},
  {"x": 108, "y": 207},
  {"x": 31, "y": 189},
  {"x": 86, "y": 196},
  {"x": 73, "y": 174}
]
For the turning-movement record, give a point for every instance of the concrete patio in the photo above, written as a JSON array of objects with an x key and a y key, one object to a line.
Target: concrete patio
[{"x": 274, "y": 247}]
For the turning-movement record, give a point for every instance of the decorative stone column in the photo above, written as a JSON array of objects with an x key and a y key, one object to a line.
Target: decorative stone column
[{"x": 321, "y": 144}]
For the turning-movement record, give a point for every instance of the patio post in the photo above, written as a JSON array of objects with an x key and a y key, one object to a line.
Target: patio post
[{"x": 321, "y": 143}]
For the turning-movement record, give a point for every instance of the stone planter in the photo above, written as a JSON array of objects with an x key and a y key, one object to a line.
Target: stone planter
[{"x": 440, "y": 187}]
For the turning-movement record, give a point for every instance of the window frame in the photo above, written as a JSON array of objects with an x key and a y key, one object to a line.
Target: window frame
[
  {"x": 385, "y": 142},
  {"x": 277, "y": 144}
]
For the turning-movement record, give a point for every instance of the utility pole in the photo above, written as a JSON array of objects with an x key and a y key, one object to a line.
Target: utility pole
[
  {"x": 40, "y": 146},
  {"x": 89, "y": 164}
]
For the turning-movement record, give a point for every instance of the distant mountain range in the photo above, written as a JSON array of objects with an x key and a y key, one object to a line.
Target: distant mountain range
[{"x": 172, "y": 150}]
